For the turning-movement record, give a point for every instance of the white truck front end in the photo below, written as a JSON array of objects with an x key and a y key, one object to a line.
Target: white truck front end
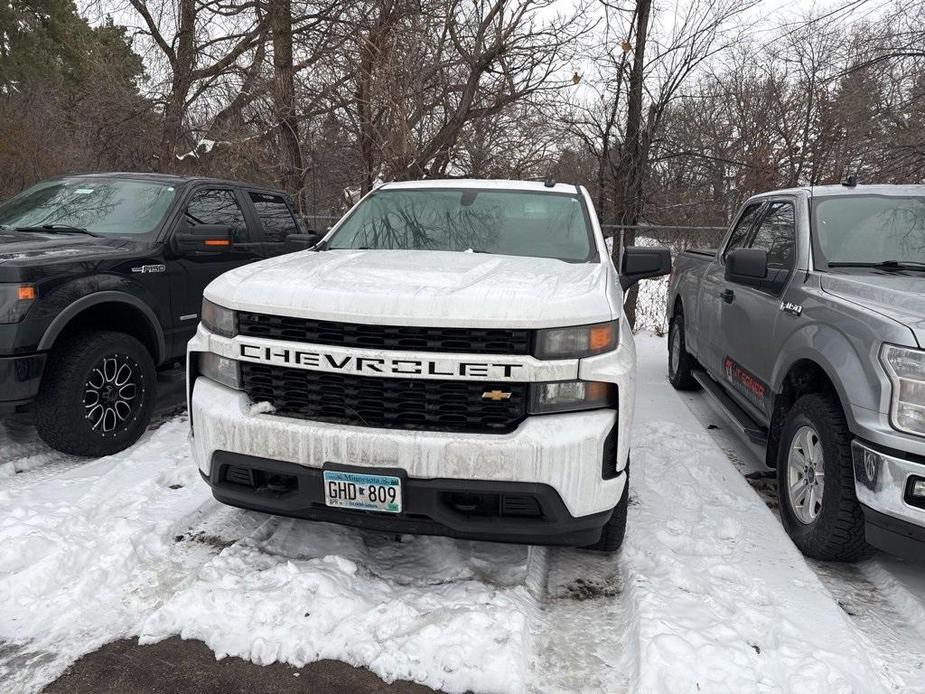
[{"x": 468, "y": 394}]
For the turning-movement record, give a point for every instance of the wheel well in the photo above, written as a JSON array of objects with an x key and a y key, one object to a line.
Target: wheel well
[
  {"x": 678, "y": 306},
  {"x": 803, "y": 378},
  {"x": 114, "y": 315}
]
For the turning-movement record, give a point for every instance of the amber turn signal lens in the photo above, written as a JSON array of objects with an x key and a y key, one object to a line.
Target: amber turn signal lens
[
  {"x": 600, "y": 337},
  {"x": 217, "y": 242},
  {"x": 596, "y": 390},
  {"x": 26, "y": 292}
]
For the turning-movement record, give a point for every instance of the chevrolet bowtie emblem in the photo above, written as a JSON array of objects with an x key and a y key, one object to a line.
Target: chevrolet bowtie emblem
[{"x": 496, "y": 395}]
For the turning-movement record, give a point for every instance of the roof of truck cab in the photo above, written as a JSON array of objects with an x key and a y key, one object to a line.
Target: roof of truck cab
[
  {"x": 483, "y": 184},
  {"x": 829, "y": 190},
  {"x": 174, "y": 179}
]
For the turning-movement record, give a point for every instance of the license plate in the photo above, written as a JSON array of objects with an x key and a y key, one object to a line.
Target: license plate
[{"x": 362, "y": 492}]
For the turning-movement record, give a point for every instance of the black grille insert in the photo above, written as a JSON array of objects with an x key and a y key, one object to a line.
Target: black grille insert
[
  {"x": 391, "y": 403},
  {"x": 411, "y": 338}
]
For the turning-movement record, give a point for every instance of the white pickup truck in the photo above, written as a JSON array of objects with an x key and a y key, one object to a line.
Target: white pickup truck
[{"x": 452, "y": 358}]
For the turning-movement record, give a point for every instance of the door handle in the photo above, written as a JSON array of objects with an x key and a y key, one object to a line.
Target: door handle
[{"x": 727, "y": 295}]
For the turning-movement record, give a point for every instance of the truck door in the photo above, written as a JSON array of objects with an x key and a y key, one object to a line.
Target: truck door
[
  {"x": 750, "y": 316},
  {"x": 211, "y": 205},
  {"x": 277, "y": 221},
  {"x": 712, "y": 290}
]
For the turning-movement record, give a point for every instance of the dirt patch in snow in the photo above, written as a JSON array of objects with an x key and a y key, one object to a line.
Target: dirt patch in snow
[
  {"x": 206, "y": 539},
  {"x": 582, "y": 589},
  {"x": 175, "y": 665}
]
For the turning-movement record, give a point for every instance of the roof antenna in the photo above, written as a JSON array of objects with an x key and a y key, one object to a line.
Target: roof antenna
[
  {"x": 849, "y": 180},
  {"x": 550, "y": 182}
]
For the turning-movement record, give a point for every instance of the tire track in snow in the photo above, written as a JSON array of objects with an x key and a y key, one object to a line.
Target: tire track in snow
[
  {"x": 582, "y": 640},
  {"x": 890, "y": 618}
]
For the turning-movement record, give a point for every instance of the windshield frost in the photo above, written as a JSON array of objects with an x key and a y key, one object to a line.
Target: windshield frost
[
  {"x": 546, "y": 225},
  {"x": 870, "y": 228},
  {"x": 103, "y": 206}
]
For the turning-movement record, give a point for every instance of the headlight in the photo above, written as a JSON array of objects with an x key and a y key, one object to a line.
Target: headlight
[
  {"x": 220, "y": 369},
  {"x": 218, "y": 319},
  {"x": 566, "y": 396},
  {"x": 15, "y": 300},
  {"x": 576, "y": 342},
  {"x": 906, "y": 369}
]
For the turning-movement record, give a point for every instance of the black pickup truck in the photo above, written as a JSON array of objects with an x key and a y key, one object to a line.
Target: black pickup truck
[{"x": 101, "y": 281}]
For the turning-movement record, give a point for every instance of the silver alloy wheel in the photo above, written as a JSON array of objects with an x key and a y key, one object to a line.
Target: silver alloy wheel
[
  {"x": 110, "y": 393},
  {"x": 675, "y": 350},
  {"x": 805, "y": 475}
]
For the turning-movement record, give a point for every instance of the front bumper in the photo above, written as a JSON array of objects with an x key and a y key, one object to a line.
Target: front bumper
[
  {"x": 881, "y": 478},
  {"x": 519, "y": 512},
  {"x": 562, "y": 451},
  {"x": 20, "y": 377}
]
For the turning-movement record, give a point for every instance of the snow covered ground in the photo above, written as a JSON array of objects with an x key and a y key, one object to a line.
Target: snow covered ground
[{"x": 708, "y": 594}]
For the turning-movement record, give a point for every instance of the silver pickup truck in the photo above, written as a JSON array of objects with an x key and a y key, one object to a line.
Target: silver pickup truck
[{"x": 808, "y": 325}]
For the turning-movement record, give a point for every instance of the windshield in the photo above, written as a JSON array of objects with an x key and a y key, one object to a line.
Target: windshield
[
  {"x": 870, "y": 229},
  {"x": 103, "y": 206},
  {"x": 544, "y": 225}
]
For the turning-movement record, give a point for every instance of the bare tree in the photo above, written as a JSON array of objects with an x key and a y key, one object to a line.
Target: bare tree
[
  {"x": 430, "y": 71},
  {"x": 200, "y": 41}
]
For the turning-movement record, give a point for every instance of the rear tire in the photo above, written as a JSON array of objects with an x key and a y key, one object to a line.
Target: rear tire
[
  {"x": 818, "y": 504},
  {"x": 615, "y": 528},
  {"x": 97, "y": 394},
  {"x": 681, "y": 363}
]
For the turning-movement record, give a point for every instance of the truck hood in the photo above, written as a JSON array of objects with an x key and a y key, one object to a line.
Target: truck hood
[
  {"x": 34, "y": 248},
  {"x": 900, "y": 297},
  {"x": 426, "y": 288}
]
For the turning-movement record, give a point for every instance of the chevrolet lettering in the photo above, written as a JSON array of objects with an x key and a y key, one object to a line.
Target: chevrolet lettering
[
  {"x": 451, "y": 358},
  {"x": 325, "y": 361}
]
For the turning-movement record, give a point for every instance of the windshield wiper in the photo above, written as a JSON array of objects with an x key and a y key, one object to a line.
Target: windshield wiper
[
  {"x": 64, "y": 228},
  {"x": 884, "y": 265}
]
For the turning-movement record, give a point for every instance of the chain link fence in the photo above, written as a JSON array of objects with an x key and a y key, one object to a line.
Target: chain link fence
[
  {"x": 652, "y": 300},
  {"x": 677, "y": 238}
]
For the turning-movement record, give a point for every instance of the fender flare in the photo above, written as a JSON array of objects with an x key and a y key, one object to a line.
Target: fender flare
[
  {"x": 61, "y": 321},
  {"x": 805, "y": 346}
]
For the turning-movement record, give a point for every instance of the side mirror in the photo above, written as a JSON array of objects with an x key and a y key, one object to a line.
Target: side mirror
[
  {"x": 643, "y": 262},
  {"x": 748, "y": 266},
  {"x": 309, "y": 238},
  {"x": 202, "y": 238}
]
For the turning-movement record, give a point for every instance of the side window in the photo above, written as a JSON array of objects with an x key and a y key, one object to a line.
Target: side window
[
  {"x": 218, "y": 206},
  {"x": 275, "y": 217},
  {"x": 777, "y": 234},
  {"x": 742, "y": 227}
]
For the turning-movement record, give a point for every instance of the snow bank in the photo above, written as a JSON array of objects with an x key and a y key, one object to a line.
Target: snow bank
[
  {"x": 412, "y": 610},
  {"x": 85, "y": 554}
]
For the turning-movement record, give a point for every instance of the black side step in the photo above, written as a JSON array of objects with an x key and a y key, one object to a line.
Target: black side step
[{"x": 756, "y": 433}]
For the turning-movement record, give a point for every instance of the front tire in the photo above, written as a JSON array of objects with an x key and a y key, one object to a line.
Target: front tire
[
  {"x": 681, "y": 363},
  {"x": 815, "y": 480},
  {"x": 97, "y": 394}
]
